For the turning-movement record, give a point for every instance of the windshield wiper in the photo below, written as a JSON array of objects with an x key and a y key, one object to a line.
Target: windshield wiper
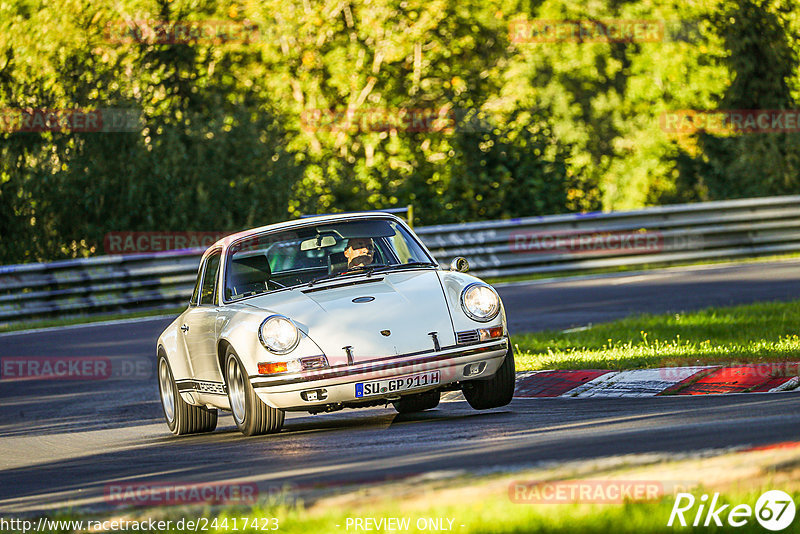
[
  {"x": 323, "y": 277},
  {"x": 248, "y": 294},
  {"x": 409, "y": 264},
  {"x": 361, "y": 269},
  {"x": 368, "y": 268}
]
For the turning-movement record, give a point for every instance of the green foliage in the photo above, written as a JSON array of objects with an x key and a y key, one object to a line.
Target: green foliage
[
  {"x": 762, "y": 42},
  {"x": 226, "y": 138},
  {"x": 511, "y": 171},
  {"x": 205, "y": 155},
  {"x": 386, "y": 57},
  {"x": 605, "y": 98}
]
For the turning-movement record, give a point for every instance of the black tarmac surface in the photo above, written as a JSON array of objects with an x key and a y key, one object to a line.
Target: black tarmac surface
[{"x": 63, "y": 443}]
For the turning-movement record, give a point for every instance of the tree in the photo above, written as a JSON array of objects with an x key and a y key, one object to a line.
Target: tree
[{"x": 762, "y": 43}]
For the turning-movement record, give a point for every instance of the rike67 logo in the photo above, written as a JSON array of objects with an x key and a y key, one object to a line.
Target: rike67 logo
[{"x": 774, "y": 510}]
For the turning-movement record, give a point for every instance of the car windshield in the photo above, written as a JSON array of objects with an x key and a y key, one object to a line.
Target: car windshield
[{"x": 306, "y": 255}]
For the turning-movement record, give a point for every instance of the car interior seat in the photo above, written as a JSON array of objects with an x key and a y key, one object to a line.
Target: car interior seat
[
  {"x": 337, "y": 262},
  {"x": 249, "y": 273}
]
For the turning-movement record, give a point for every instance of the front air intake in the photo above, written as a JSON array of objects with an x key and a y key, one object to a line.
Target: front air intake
[{"x": 469, "y": 336}]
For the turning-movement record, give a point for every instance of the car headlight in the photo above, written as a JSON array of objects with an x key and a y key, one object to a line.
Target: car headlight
[
  {"x": 480, "y": 302},
  {"x": 278, "y": 334}
]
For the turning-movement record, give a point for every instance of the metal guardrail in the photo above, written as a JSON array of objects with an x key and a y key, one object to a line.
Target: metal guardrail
[
  {"x": 87, "y": 286},
  {"x": 659, "y": 235},
  {"x": 531, "y": 245}
]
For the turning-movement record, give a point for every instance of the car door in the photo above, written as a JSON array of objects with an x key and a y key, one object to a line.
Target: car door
[{"x": 199, "y": 327}]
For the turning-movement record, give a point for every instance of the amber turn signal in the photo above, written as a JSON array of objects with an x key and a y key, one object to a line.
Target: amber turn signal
[
  {"x": 490, "y": 333},
  {"x": 269, "y": 368}
]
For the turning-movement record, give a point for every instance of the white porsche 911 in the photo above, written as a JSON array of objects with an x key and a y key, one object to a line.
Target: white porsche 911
[{"x": 325, "y": 313}]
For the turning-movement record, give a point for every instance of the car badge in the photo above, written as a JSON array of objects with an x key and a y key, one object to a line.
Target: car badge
[{"x": 386, "y": 333}]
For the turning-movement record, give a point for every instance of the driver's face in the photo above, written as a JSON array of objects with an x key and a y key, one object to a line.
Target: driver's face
[{"x": 361, "y": 249}]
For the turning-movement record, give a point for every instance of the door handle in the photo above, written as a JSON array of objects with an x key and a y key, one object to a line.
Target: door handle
[{"x": 184, "y": 328}]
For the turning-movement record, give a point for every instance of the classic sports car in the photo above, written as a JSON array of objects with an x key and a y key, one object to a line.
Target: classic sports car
[{"x": 325, "y": 313}]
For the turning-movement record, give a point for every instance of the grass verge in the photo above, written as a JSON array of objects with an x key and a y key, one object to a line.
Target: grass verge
[
  {"x": 494, "y": 503},
  {"x": 764, "y": 332}
]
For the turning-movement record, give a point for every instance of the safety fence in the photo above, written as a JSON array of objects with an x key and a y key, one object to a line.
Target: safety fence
[{"x": 498, "y": 249}]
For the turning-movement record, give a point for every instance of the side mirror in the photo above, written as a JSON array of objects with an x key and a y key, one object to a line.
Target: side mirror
[{"x": 459, "y": 264}]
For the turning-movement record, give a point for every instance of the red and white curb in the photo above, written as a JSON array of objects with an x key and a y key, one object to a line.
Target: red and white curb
[{"x": 698, "y": 380}]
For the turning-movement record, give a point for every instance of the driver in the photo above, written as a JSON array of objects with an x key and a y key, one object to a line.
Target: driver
[{"x": 359, "y": 252}]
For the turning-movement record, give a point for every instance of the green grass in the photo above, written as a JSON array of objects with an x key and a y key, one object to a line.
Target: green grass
[
  {"x": 764, "y": 332},
  {"x": 491, "y": 503},
  {"x": 493, "y": 514},
  {"x": 86, "y": 319},
  {"x": 498, "y": 515}
]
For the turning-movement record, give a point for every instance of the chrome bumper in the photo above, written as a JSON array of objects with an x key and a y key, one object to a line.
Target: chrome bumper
[{"x": 290, "y": 391}]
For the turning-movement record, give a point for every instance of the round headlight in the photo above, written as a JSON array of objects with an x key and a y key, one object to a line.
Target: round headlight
[
  {"x": 279, "y": 334},
  {"x": 480, "y": 302}
]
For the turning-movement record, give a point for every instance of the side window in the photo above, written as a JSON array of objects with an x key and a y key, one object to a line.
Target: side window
[
  {"x": 209, "y": 283},
  {"x": 196, "y": 292},
  {"x": 407, "y": 249}
]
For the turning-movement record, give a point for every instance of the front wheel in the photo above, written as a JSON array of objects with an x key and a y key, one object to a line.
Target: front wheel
[
  {"x": 495, "y": 392},
  {"x": 250, "y": 414},
  {"x": 182, "y": 417}
]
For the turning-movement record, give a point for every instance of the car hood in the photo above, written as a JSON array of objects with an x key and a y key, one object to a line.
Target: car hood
[{"x": 379, "y": 316}]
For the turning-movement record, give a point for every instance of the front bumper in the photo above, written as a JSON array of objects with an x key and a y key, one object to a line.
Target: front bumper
[{"x": 337, "y": 384}]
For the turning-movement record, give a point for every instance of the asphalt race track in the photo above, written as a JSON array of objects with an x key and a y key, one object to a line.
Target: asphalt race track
[
  {"x": 573, "y": 302},
  {"x": 62, "y": 443}
]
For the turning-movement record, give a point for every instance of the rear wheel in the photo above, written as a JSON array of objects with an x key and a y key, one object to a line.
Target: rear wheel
[
  {"x": 417, "y": 402},
  {"x": 182, "y": 417},
  {"x": 250, "y": 414},
  {"x": 495, "y": 392}
]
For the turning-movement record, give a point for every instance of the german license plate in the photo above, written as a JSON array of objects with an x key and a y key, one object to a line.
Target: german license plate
[{"x": 393, "y": 385}]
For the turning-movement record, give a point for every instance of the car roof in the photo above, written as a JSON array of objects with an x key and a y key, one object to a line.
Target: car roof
[{"x": 307, "y": 221}]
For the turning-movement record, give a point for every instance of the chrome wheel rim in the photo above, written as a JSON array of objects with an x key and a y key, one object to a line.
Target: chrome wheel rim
[
  {"x": 236, "y": 390},
  {"x": 167, "y": 391}
]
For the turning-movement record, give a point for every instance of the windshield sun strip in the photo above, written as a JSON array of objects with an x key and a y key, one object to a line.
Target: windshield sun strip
[{"x": 396, "y": 220}]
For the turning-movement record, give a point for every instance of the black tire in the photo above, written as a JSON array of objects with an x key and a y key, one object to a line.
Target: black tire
[
  {"x": 251, "y": 415},
  {"x": 182, "y": 418},
  {"x": 417, "y": 402},
  {"x": 495, "y": 392}
]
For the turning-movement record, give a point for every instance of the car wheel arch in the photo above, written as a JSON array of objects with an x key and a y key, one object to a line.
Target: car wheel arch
[{"x": 222, "y": 350}]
